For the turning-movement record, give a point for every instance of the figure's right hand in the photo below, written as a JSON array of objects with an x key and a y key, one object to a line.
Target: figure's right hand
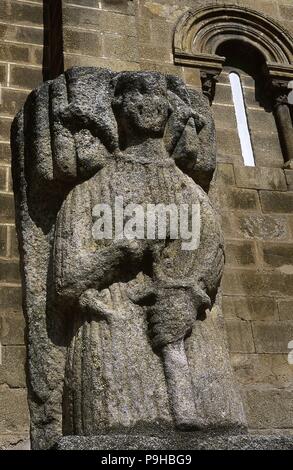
[{"x": 171, "y": 318}]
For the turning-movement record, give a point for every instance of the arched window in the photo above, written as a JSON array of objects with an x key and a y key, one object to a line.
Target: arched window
[
  {"x": 241, "y": 118},
  {"x": 220, "y": 39},
  {"x": 243, "y": 109}
]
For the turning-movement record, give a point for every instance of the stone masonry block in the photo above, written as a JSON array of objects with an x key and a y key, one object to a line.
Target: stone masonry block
[
  {"x": 143, "y": 28},
  {"x": 288, "y": 25},
  {"x": 255, "y": 283},
  {"x": 278, "y": 255},
  {"x": 163, "y": 67},
  {"x": 3, "y": 177},
  {"x": 223, "y": 94},
  {"x": 3, "y": 240},
  {"x": 11, "y": 327},
  {"x": 12, "y": 101},
  {"x": 3, "y": 75},
  {"x": 268, "y": 7},
  {"x": 260, "y": 178},
  {"x": 155, "y": 53},
  {"x": 9, "y": 271},
  {"x": 82, "y": 42},
  {"x": 240, "y": 336},
  {"x": 85, "y": 3},
  {"x": 192, "y": 77},
  {"x": 250, "y": 308},
  {"x": 12, "y": 367},
  {"x": 267, "y": 149},
  {"x": 117, "y": 47},
  {"x": 228, "y": 143},
  {"x": 14, "y": 53},
  {"x": 261, "y": 120},
  {"x": 13, "y": 242},
  {"x": 224, "y": 174},
  {"x": 84, "y": 60},
  {"x": 286, "y": 11},
  {"x": 5, "y": 153},
  {"x": 37, "y": 54},
  {"x": 124, "y": 6},
  {"x": 272, "y": 337},
  {"x": 25, "y": 77},
  {"x": 13, "y": 418},
  {"x": 272, "y": 369},
  {"x": 250, "y": 99},
  {"x": 278, "y": 202},
  {"x": 9, "y": 178},
  {"x": 285, "y": 308},
  {"x": 5, "y": 124},
  {"x": 10, "y": 297},
  {"x": 22, "y": 34},
  {"x": 240, "y": 253},
  {"x": 171, "y": 10},
  {"x": 101, "y": 21},
  {"x": 162, "y": 32},
  {"x": 268, "y": 408},
  {"x": 21, "y": 13},
  {"x": 13, "y": 441},
  {"x": 224, "y": 116},
  {"x": 238, "y": 199},
  {"x": 228, "y": 157},
  {"x": 262, "y": 227},
  {"x": 6, "y": 207}
]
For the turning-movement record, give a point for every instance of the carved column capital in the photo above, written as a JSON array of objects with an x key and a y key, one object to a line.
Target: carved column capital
[
  {"x": 281, "y": 91},
  {"x": 209, "y": 80},
  {"x": 279, "y": 77}
]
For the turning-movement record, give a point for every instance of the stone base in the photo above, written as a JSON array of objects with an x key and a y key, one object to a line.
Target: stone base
[{"x": 178, "y": 441}]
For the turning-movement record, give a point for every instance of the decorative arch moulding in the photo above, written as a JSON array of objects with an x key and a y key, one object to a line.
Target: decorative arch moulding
[{"x": 200, "y": 32}]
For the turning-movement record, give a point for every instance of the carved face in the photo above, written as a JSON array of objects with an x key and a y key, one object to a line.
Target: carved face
[{"x": 141, "y": 104}]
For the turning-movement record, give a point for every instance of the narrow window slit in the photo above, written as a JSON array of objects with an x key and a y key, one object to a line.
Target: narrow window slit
[{"x": 241, "y": 118}]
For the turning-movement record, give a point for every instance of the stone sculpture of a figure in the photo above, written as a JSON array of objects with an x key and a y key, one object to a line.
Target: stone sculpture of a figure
[{"x": 125, "y": 335}]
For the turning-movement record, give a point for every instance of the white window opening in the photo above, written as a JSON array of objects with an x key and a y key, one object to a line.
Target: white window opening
[{"x": 241, "y": 118}]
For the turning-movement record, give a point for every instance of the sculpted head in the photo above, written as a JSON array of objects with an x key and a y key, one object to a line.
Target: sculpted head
[{"x": 141, "y": 104}]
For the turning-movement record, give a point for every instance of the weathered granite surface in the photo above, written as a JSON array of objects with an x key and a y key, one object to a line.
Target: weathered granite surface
[{"x": 123, "y": 334}]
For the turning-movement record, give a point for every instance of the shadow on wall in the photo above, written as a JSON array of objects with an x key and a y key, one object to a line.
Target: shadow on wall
[{"x": 53, "y": 63}]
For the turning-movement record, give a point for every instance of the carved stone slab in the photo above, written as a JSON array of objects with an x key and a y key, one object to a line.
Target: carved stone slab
[{"x": 123, "y": 334}]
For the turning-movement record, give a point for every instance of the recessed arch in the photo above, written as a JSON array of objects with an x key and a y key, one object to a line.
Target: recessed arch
[
  {"x": 200, "y": 32},
  {"x": 243, "y": 55}
]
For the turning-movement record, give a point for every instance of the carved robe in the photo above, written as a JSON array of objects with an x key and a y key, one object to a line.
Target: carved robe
[{"x": 113, "y": 378}]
